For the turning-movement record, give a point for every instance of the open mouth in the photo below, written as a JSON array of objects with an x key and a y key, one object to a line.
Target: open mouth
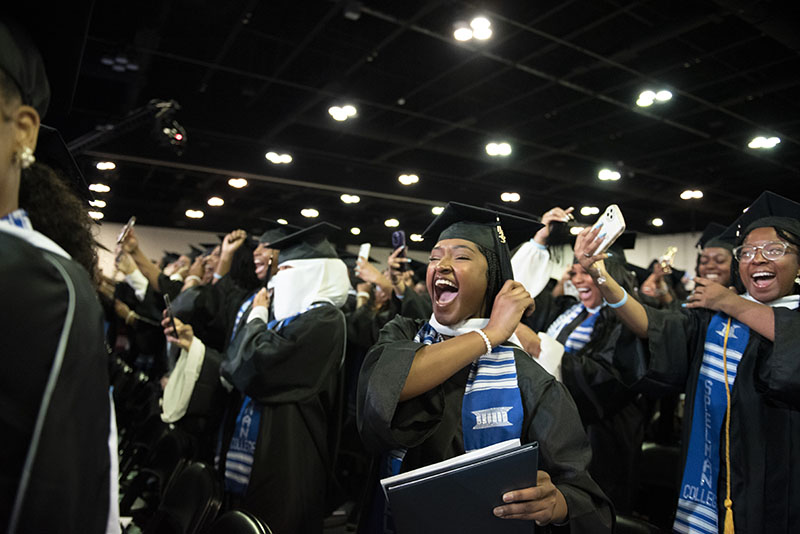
[
  {"x": 762, "y": 279},
  {"x": 260, "y": 266},
  {"x": 712, "y": 276},
  {"x": 584, "y": 291},
  {"x": 444, "y": 291}
]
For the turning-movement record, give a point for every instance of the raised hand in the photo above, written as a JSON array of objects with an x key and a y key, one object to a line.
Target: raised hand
[
  {"x": 709, "y": 294},
  {"x": 510, "y": 304}
]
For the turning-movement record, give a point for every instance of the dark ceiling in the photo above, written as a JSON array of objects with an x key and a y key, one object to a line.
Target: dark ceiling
[{"x": 558, "y": 80}]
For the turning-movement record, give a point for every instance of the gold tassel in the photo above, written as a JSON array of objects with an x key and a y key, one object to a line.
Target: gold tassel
[
  {"x": 729, "y": 517},
  {"x": 728, "y": 502}
]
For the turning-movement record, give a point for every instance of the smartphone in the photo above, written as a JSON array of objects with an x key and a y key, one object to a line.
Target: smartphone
[
  {"x": 363, "y": 251},
  {"x": 171, "y": 315},
  {"x": 612, "y": 224},
  {"x": 399, "y": 240},
  {"x": 126, "y": 230}
]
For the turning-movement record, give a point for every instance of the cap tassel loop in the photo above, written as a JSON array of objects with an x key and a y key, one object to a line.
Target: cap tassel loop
[{"x": 729, "y": 528}]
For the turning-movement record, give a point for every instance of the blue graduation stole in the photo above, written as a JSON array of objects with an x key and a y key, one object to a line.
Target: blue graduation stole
[
  {"x": 697, "y": 501},
  {"x": 579, "y": 337}
]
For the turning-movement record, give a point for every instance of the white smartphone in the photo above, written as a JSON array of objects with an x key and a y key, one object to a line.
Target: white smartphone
[
  {"x": 363, "y": 251},
  {"x": 612, "y": 224}
]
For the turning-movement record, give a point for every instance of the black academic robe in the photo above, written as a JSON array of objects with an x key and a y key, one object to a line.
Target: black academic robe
[
  {"x": 294, "y": 374},
  {"x": 69, "y": 484},
  {"x": 765, "y": 410},
  {"x": 429, "y": 425},
  {"x": 613, "y": 415}
]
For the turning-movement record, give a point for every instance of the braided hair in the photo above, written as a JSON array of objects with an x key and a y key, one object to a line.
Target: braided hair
[{"x": 493, "y": 281}]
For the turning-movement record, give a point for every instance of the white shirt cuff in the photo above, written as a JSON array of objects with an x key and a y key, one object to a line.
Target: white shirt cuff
[
  {"x": 138, "y": 282},
  {"x": 181, "y": 382},
  {"x": 259, "y": 312}
]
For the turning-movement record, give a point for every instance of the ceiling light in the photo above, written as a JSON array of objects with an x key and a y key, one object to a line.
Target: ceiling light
[
  {"x": 106, "y": 165},
  {"x": 355, "y": 230},
  {"x": 215, "y": 202},
  {"x": 648, "y": 97},
  {"x": 690, "y": 194},
  {"x": 480, "y": 23},
  {"x": 96, "y": 215},
  {"x": 437, "y": 210},
  {"x": 663, "y": 95},
  {"x": 510, "y": 197},
  {"x": 764, "y": 142},
  {"x": 342, "y": 113},
  {"x": 238, "y": 183},
  {"x": 482, "y": 34},
  {"x": 97, "y": 203},
  {"x": 590, "y": 210},
  {"x": 498, "y": 149},
  {"x": 349, "y": 110},
  {"x": 657, "y": 222},
  {"x": 416, "y": 238},
  {"x": 309, "y": 212},
  {"x": 408, "y": 179},
  {"x": 391, "y": 223},
  {"x": 608, "y": 175},
  {"x": 99, "y": 188},
  {"x": 575, "y": 230},
  {"x": 195, "y": 214},
  {"x": 350, "y": 199},
  {"x": 282, "y": 221},
  {"x": 278, "y": 159},
  {"x": 462, "y": 32}
]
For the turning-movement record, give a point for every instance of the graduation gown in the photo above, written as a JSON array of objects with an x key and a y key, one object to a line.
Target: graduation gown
[
  {"x": 69, "y": 489},
  {"x": 294, "y": 374},
  {"x": 765, "y": 410},
  {"x": 429, "y": 425}
]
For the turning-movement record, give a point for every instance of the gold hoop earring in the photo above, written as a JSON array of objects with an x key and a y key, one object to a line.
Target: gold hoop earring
[{"x": 26, "y": 157}]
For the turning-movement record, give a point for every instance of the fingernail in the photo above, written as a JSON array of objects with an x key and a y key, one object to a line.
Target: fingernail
[
  {"x": 499, "y": 512},
  {"x": 508, "y": 497}
]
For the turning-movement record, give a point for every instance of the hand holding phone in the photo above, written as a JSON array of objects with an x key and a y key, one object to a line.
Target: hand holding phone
[
  {"x": 170, "y": 315},
  {"x": 612, "y": 225},
  {"x": 123, "y": 234},
  {"x": 399, "y": 240}
]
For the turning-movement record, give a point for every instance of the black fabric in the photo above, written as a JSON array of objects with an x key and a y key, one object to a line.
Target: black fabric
[
  {"x": 768, "y": 204},
  {"x": 765, "y": 409},
  {"x": 69, "y": 487},
  {"x": 429, "y": 425},
  {"x": 308, "y": 243}
]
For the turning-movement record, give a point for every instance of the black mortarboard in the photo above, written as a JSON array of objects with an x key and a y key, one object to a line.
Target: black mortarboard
[
  {"x": 640, "y": 273},
  {"x": 168, "y": 258},
  {"x": 768, "y": 209},
  {"x": 627, "y": 241},
  {"x": 490, "y": 229},
  {"x": 309, "y": 243},
  {"x": 208, "y": 248},
  {"x": 194, "y": 252},
  {"x": 276, "y": 231},
  {"x": 712, "y": 237}
]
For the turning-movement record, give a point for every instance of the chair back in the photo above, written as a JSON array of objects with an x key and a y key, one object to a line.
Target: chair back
[
  {"x": 190, "y": 503},
  {"x": 238, "y": 522}
]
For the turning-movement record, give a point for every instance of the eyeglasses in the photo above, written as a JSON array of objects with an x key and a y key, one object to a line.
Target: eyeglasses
[{"x": 772, "y": 251}]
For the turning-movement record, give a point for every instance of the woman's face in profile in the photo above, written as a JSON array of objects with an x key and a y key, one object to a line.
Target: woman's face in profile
[{"x": 457, "y": 281}]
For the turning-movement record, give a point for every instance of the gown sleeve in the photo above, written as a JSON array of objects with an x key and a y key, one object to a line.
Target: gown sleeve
[
  {"x": 289, "y": 365},
  {"x": 531, "y": 266},
  {"x": 778, "y": 371}
]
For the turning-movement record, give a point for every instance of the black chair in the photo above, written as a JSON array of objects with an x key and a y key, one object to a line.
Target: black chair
[
  {"x": 634, "y": 525},
  {"x": 190, "y": 503},
  {"x": 238, "y": 522}
]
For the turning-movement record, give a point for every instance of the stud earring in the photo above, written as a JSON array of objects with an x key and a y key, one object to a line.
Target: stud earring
[{"x": 26, "y": 157}]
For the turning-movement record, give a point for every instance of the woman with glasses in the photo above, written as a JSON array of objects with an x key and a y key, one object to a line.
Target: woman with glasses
[{"x": 738, "y": 359}]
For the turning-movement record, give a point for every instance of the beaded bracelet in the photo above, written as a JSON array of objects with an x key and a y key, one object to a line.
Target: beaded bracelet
[
  {"x": 193, "y": 277},
  {"x": 620, "y": 303},
  {"x": 485, "y": 340},
  {"x": 362, "y": 294}
]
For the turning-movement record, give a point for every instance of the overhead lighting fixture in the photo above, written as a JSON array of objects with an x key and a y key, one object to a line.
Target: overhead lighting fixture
[
  {"x": 479, "y": 28},
  {"x": 238, "y": 183},
  {"x": 416, "y": 238},
  {"x": 764, "y": 142},
  {"x": 282, "y": 221},
  {"x": 215, "y": 202},
  {"x": 195, "y": 214},
  {"x": 99, "y": 188},
  {"x": 309, "y": 213},
  {"x": 408, "y": 179},
  {"x": 608, "y": 175},
  {"x": 590, "y": 210},
  {"x": 350, "y": 199},
  {"x": 575, "y": 230},
  {"x": 657, "y": 222},
  {"x": 97, "y": 203},
  {"x": 510, "y": 197},
  {"x": 355, "y": 230},
  {"x": 278, "y": 159},
  {"x": 391, "y": 223},
  {"x": 498, "y": 149},
  {"x": 96, "y": 215},
  {"x": 342, "y": 113},
  {"x": 691, "y": 194},
  {"x": 437, "y": 210},
  {"x": 648, "y": 98},
  {"x": 462, "y": 31},
  {"x": 106, "y": 165}
]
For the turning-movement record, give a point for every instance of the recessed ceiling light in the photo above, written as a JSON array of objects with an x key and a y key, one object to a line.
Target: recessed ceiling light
[
  {"x": 355, "y": 230},
  {"x": 648, "y": 97},
  {"x": 416, "y": 238},
  {"x": 510, "y": 197},
  {"x": 462, "y": 32},
  {"x": 238, "y": 183},
  {"x": 691, "y": 194},
  {"x": 99, "y": 188},
  {"x": 575, "y": 230},
  {"x": 663, "y": 95},
  {"x": 608, "y": 175},
  {"x": 97, "y": 203},
  {"x": 437, "y": 210},
  {"x": 391, "y": 223},
  {"x": 278, "y": 159},
  {"x": 215, "y": 202},
  {"x": 106, "y": 165},
  {"x": 657, "y": 222},
  {"x": 195, "y": 214},
  {"x": 342, "y": 113},
  {"x": 408, "y": 179},
  {"x": 590, "y": 210},
  {"x": 498, "y": 149},
  {"x": 350, "y": 199},
  {"x": 764, "y": 142},
  {"x": 309, "y": 212},
  {"x": 282, "y": 221},
  {"x": 96, "y": 215}
]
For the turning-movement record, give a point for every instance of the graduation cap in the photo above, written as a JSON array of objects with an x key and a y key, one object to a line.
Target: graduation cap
[
  {"x": 711, "y": 237},
  {"x": 640, "y": 273},
  {"x": 627, "y": 241},
  {"x": 194, "y": 252},
  {"x": 208, "y": 248},
  {"x": 490, "y": 229},
  {"x": 276, "y": 231},
  {"x": 168, "y": 258},
  {"x": 308, "y": 243},
  {"x": 769, "y": 209}
]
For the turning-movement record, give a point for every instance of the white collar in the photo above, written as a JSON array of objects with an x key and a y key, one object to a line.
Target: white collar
[
  {"x": 789, "y": 301},
  {"x": 464, "y": 327},
  {"x": 37, "y": 239}
]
